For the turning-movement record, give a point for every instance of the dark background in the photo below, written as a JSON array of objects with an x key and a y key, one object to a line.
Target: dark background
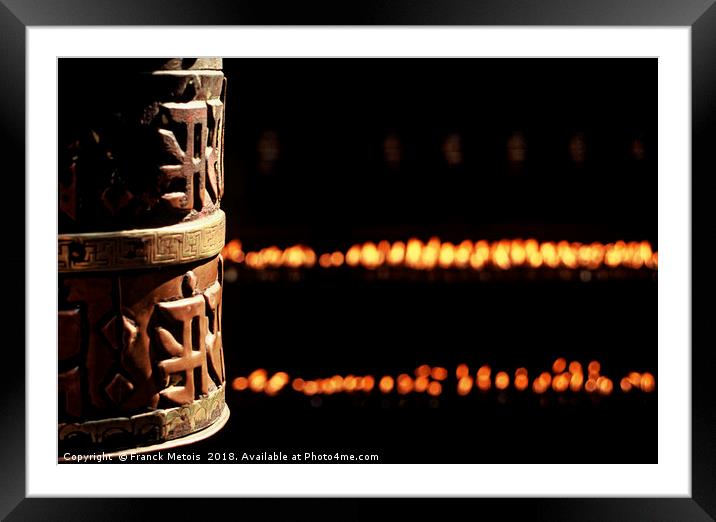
[
  {"x": 305, "y": 163},
  {"x": 331, "y": 185}
]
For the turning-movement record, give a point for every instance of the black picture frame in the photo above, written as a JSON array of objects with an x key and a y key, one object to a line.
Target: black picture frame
[{"x": 16, "y": 15}]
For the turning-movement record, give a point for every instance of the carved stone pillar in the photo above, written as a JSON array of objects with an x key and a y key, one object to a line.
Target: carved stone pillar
[{"x": 140, "y": 356}]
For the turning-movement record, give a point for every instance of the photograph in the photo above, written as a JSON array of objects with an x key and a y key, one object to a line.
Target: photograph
[
  {"x": 358, "y": 260},
  {"x": 312, "y": 260}
]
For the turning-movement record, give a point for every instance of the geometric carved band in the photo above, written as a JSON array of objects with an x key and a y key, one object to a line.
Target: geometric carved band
[
  {"x": 170, "y": 245},
  {"x": 147, "y": 428}
]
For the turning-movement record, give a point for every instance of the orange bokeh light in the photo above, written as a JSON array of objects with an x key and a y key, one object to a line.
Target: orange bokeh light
[
  {"x": 546, "y": 377},
  {"x": 405, "y": 384},
  {"x": 502, "y": 380},
  {"x": 240, "y": 383},
  {"x": 625, "y": 384},
  {"x": 594, "y": 368},
  {"x": 605, "y": 386},
  {"x": 590, "y": 386},
  {"x": 257, "y": 380},
  {"x": 483, "y": 382},
  {"x": 439, "y": 374},
  {"x": 462, "y": 371},
  {"x": 521, "y": 382},
  {"x": 435, "y": 388},
  {"x": 386, "y": 384},
  {"x": 464, "y": 385},
  {"x": 539, "y": 385},
  {"x": 422, "y": 371},
  {"x": 648, "y": 383},
  {"x": 311, "y": 388},
  {"x": 559, "y": 365},
  {"x": 560, "y": 383},
  {"x": 421, "y": 384},
  {"x": 634, "y": 379}
]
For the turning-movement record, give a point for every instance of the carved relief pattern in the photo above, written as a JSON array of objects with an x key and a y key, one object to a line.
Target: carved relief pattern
[
  {"x": 170, "y": 245},
  {"x": 70, "y": 338},
  {"x": 173, "y": 351},
  {"x": 155, "y": 162},
  {"x": 151, "y": 427},
  {"x": 214, "y": 345},
  {"x": 185, "y": 359},
  {"x": 140, "y": 356},
  {"x": 197, "y": 158}
]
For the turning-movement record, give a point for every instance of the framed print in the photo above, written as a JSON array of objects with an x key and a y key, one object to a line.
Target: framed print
[{"x": 421, "y": 246}]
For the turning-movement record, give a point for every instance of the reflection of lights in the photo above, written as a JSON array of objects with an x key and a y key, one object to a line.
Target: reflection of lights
[
  {"x": 452, "y": 150},
  {"x": 392, "y": 150}
]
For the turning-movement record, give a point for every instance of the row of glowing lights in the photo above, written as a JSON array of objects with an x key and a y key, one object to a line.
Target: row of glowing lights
[
  {"x": 416, "y": 254},
  {"x": 431, "y": 380}
]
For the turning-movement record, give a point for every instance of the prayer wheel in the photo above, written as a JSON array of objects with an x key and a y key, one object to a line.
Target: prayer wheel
[{"x": 140, "y": 232}]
